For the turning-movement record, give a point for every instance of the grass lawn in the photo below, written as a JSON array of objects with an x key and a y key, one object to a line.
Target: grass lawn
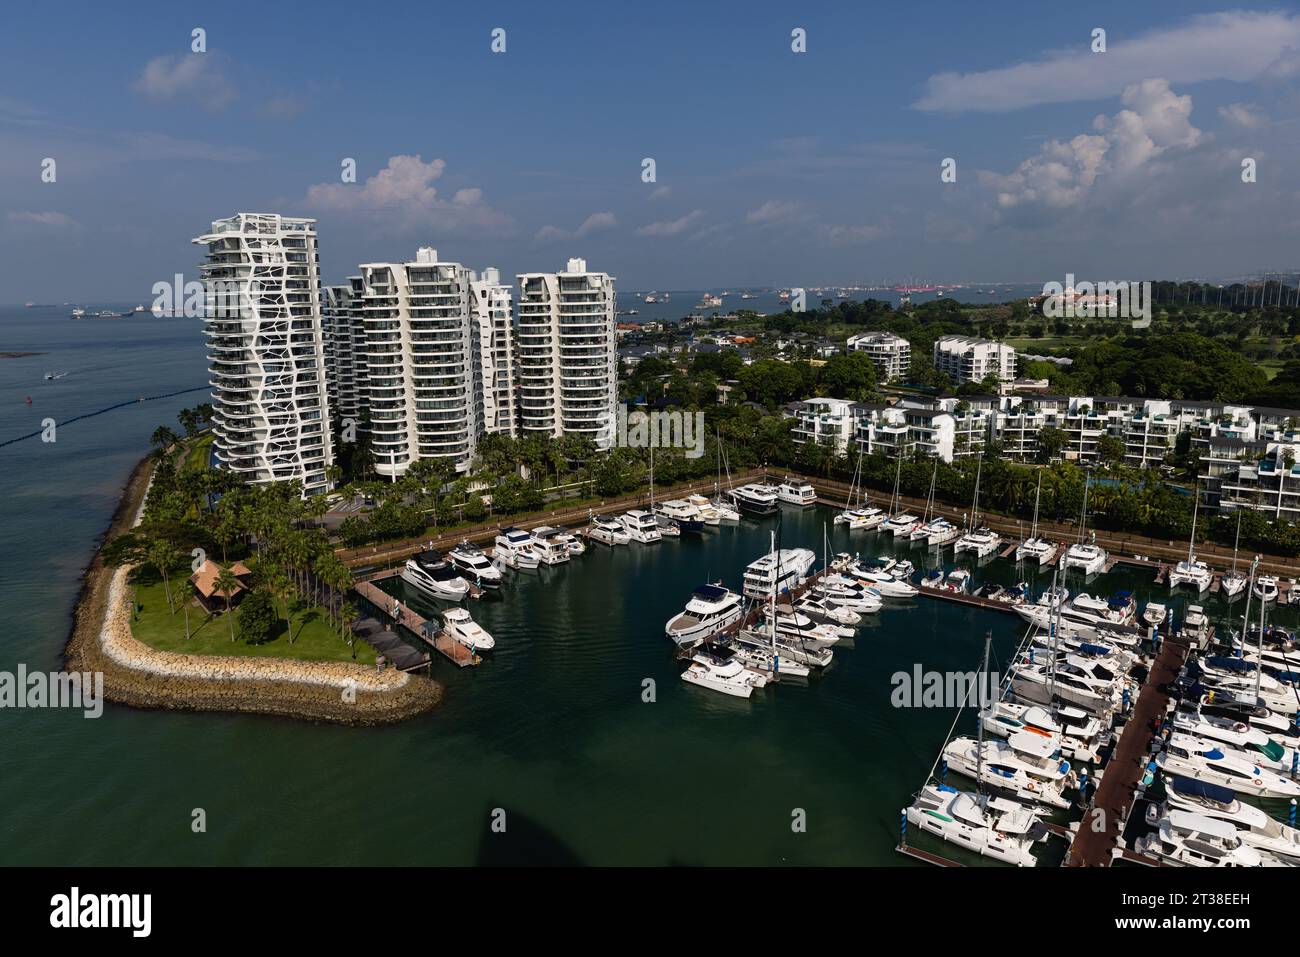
[
  {"x": 314, "y": 640},
  {"x": 196, "y": 455}
]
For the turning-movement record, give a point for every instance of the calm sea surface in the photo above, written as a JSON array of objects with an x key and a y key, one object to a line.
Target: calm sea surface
[{"x": 552, "y": 728}]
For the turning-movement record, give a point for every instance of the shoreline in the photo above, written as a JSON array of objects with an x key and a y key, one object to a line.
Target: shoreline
[{"x": 142, "y": 677}]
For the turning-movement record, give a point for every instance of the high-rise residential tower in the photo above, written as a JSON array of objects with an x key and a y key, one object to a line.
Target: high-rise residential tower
[
  {"x": 345, "y": 365},
  {"x": 494, "y": 351},
  {"x": 266, "y": 349},
  {"x": 567, "y": 364}
]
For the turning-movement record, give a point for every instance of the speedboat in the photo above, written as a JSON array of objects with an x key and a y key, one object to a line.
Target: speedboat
[
  {"x": 1254, "y": 827},
  {"x": 551, "y": 545},
  {"x": 880, "y": 577},
  {"x": 958, "y": 580},
  {"x": 980, "y": 542},
  {"x": 1025, "y": 766},
  {"x": 992, "y": 827},
  {"x": 730, "y": 678},
  {"x": 474, "y": 565},
  {"x": 755, "y": 499},
  {"x": 458, "y": 624},
  {"x": 1195, "y": 574},
  {"x": 1088, "y": 557},
  {"x": 711, "y": 608},
  {"x": 794, "y": 492},
  {"x": 513, "y": 547},
  {"x": 1037, "y": 550},
  {"x": 1182, "y": 837},
  {"x": 1155, "y": 614},
  {"x": 641, "y": 526},
  {"x": 827, "y": 611},
  {"x": 1201, "y": 760},
  {"x": 608, "y": 530},
  {"x": 680, "y": 513},
  {"x": 1266, "y": 588},
  {"x": 776, "y": 571},
  {"x": 430, "y": 573}
]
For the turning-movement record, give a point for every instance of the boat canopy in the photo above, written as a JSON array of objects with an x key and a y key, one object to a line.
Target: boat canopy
[
  {"x": 711, "y": 592},
  {"x": 1190, "y": 787}
]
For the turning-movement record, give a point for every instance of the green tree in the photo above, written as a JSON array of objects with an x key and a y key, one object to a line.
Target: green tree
[{"x": 257, "y": 617}]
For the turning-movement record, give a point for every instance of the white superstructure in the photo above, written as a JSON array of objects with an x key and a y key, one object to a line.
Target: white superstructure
[{"x": 266, "y": 349}]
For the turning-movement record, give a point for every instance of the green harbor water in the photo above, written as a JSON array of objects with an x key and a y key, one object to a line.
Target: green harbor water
[{"x": 552, "y": 729}]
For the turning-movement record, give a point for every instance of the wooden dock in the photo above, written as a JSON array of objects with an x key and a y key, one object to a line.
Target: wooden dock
[
  {"x": 920, "y": 855},
  {"x": 422, "y": 628}
]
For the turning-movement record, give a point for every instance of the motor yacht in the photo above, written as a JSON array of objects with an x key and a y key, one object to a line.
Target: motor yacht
[
  {"x": 474, "y": 565},
  {"x": 815, "y": 654},
  {"x": 796, "y": 492},
  {"x": 1201, "y": 760},
  {"x": 992, "y": 827},
  {"x": 608, "y": 531},
  {"x": 754, "y": 499},
  {"x": 776, "y": 572},
  {"x": 729, "y": 678},
  {"x": 1266, "y": 588},
  {"x": 1080, "y": 735},
  {"x": 431, "y": 574},
  {"x": 1254, "y": 827},
  {"x": 458, "y": 624},
  {"x": 1252, "y": 743},
  {"x": 513, "y": 547},
  {"x": 680, "y": 513},
  {"x": 880, "y": 577},
  {"x": 708, "y": 512},
  {"x": 1195, "y": 840},
  {"x": 1155, "y": 614},
  {"x": 1067, "y": 679},
  {"x": 551, "y": 545},
  {"x": 641, "y": 526},
  {"x": 827, "y": 611},
  {"x": 798, "y": 626},
  {"x": 710, "y": 609}
]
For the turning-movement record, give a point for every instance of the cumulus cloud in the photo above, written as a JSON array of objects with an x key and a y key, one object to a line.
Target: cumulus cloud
[
  {"x": 661, "y": 192},
  {"x": 672, "y": 227},
  {"x": 773, "y": 212},
  {"x": 1235, "y": 45},
  {"x": 50, "y": 219},
  {"x": 1242, "y": 115},
  {"x": 191, "y": 78},
  {"x": 1063, "y": 174},
  {"x": 595, "y": 223},
  {"x": 403, "y": 193}
]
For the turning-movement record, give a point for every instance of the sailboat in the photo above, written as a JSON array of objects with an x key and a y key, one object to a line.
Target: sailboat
[
  {"x": 1035, "y": 549},
  {"x": 859, "y": 516},
  {"x": 725, "y": 511},
  {"x": 1088, "y": 557},
  {"x": 1191, "y": 572},
  {"x": 1234, "y": 582},
  {"x": 936, "y": 532},
  {"x": 899, "y": 523},
  {"x": 666, "y": 525},
  {"x": 979, "y": 540}
]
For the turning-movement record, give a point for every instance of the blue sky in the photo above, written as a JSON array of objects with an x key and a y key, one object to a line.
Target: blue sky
[{"x": 773, "y": 167}]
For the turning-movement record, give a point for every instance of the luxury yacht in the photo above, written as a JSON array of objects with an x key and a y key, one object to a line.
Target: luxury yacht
[
  {"x": 474, "y": 565},
  {"x": 608, "y": 530},
  {"x": 551, "y": 545},
  {"x": 708, "y": 512},
  {"x": 880, "y": 577},
  {"x": 458, "y": 624},
  {"x": 1251, "y": 743},
  {"x": 1025, "y": 765},
  {"x": 680, "y": 513},
  {"x": 1254, "y": 827},
  {"x": 1201, "y": 760},
  {"x": 1182, "y": 837},
  {"x": 794, "y": 492},
  {"x": 796, "y": 625},
  {"x": 641, "y": 526},
  {"x": 827, "y": 611},
  {"x": 847, "y": 593},
  {"x": 980, "y": 542},
  {"x": 730, "y": 678},
  {"x": 755, "y": 499},
  {"x": 1065, "y": 682},
  {"x": 775, "y": 572},
  {"x": 430, "y": 573},
  {"x": 513, "y": 547},
  {"x": 990, "y": 826},
  {"x": 710, "y": 609}
]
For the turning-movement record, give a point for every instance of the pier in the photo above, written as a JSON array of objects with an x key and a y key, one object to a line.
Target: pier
[{"x": 421, "y": 627}]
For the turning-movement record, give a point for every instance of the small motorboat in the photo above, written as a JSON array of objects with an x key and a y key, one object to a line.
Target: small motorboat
[{"x": 1155, "y": 614}]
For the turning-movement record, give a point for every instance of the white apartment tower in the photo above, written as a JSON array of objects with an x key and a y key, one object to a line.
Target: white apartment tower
[
  {"x": 266, "y": 349},
  {"x": 419, "y": 368},
  {"x": 491, "y": 302},
  {"x": 567, "y": 362},
  {"x": 970, "y": 360},
  {"x": 892, "y": 354}
]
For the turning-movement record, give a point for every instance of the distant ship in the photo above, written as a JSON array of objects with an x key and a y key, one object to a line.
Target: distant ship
[
  {"x": 652, "y": 298},
  {"x": 55, "y": 375}
]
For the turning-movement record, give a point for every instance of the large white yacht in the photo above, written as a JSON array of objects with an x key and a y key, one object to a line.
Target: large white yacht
[
  {"x": 1202, "y": 760},
  {"x": 551, "y": 545},
  {"x": 1195, "y": 840},
  {"x": 1025, "y": 765},
  {"x": 881, "y": 577},
  {"x": 474, "y": 565},
  {"x": 609, "y": 531},
  {"x": 990, "y": 826},
  {"x": 777, "y": 571},
  {"x": 680, "y": 513},
  {"x": 730, "y": 678},
  {"x": 458, "y": 624},
  {"x": 513, "y": 547},
  {"x": 1253, "y": 826},
  {"x": 641, "y": 526},
  {"x": 795, "y": 492},
  {"x": 710, "y": 609},
  {"x": 430, "y": 573},
  {"x": 980, "y": 542}
]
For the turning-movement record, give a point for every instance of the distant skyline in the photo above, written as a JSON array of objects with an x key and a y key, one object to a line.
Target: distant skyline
[{"x": 773, "y": 168}]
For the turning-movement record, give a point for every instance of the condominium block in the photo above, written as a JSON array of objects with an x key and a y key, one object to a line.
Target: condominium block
[
  {"x": 345, "y": 365},
  {"x": 892, "y": 354},
  {"x": 567, "y": 360},
  {"x": 266, "y": 349},
  {"x": 494, "y": 351},
  {"x": 971, "y": 360}
]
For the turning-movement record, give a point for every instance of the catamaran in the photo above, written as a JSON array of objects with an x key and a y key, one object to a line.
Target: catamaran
[
  {"x": 1190, "y": 571},
  {"x": 1079, "y": 735},
  {"x": 1233, "y": 582},
  {"x": 993, "y": 827},
  {"x": 899, "y": 524},
  {"x": 725, "y": 511},
  {"x": 1088, "y": 557},
  {"x": 1035, "y": 549},
  {"x": 936, "y": 531},
  {"x": 980, "y": 540},
  {"x": 859, "y": 516}
]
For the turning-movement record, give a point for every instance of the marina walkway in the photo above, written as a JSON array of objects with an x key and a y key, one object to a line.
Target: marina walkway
[
  {"x": 417, "y": 625},
  {"x": 1093, "y": 848}
]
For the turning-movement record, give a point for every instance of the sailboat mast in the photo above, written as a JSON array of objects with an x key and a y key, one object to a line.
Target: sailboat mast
[
  {"x": 1083, "y": 519},
  {"x": 1191, "y": 543},
  {"x": 1259, "y": 665},
  {"x": 979, "y": 713},
  {"x": 1235, "y": 542},
  {"x": 1033, "y": 532}
]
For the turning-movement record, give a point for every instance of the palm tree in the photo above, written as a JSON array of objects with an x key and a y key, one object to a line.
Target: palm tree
[
  {"x": 187, "y": 592},
  {"x": 226, "y": 584},
  {"x": 349, "y": 614},
  {"x": 163, "y": 437},
  {"x": 162, "y": 556}
]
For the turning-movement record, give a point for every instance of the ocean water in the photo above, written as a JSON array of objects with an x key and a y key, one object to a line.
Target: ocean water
[{"x": 552, "y": 729}]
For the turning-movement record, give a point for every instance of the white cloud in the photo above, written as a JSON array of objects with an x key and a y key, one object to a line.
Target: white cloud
[
  {"x": 53, "y": 220},
  {"x": 774, "y": 211},
  {"x": 1236, "y": 45},
  {"x": 836, "y": 235},
  {"x": 194, "y": 77},
  {"x": 672, "y": 227},
  {"x": 284, "y": 107},
  {"x": 661, "y": 192},
  {"x": 1243, "y": 115},
  {"x": 404, "y": 194},
  {"x": 595, "y": 223}
]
